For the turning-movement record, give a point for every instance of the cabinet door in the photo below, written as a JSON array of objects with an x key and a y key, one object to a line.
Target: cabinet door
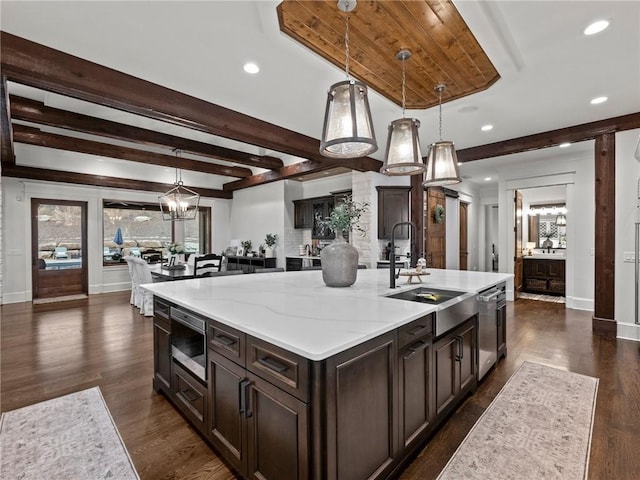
[
  {"x": 539, "y": 268},
  {"x": 162, "y": 355},
  {"x": 321, "y": 207},
  {"x": 556, "y": 269},
  {"x": 277, "y": 429},
  {"x": 302, "y": 214},
  {"x": 393, "y": 207},
  {"x": 467, "y": 360},
  {"x": 226, "y": 430},
  {"x": 416, "y": 403},
  {"x": 501, "y": 321},
  {"x": 446, "y": 366}
]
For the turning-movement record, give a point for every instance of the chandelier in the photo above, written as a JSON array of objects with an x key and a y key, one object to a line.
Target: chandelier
[{"x": 179, "y": 203}]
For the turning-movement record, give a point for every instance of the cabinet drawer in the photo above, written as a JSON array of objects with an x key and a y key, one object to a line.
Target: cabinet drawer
[
  {"x": 556, "y": 286},
  {"x": 227, "y": 341},
  {"x": 283, "y": 369},
  {"x": 161, "y": 308},
  {"x": 536, "y": 283},
  {"x": 412, "y": 331},
  {"x": 190, "y": 396}
]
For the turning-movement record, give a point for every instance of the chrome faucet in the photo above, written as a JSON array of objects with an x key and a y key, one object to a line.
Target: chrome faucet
[{"x": 392, "y": 257}]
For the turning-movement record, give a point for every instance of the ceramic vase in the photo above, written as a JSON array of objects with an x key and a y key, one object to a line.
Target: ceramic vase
[
  {"x": 269, "y": 251},
  {"x": 339, "y": 263}
]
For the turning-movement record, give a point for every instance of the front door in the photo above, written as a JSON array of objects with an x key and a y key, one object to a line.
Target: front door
[
  {"x": 517, "y": 259},
  {"x": 58, "y": 248}
]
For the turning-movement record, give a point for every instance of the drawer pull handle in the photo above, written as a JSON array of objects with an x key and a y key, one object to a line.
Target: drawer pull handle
[
  {"x": 415, "y": 348},
  {"x": 416, "y": 330},
  {"x": 272, "y": 364},
  {"x": 190, "y": 395},
  {"x": 224, "y": 340}
]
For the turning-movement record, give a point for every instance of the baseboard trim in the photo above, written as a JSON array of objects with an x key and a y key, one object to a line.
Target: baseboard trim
[
  {"x": 629, "y": 331},
  {"x": 604, "y": 327},
  {"x": 578, "y": 303}
]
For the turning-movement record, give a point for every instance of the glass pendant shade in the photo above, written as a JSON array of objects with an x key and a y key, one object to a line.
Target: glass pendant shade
[
  {"x": 561, "y": 220},
  {"x": 403, "y": 156},
  {"x": 348, "y": 128},
  {"x": 179, "y": 203},
  {"x": 442, "y": 165}
]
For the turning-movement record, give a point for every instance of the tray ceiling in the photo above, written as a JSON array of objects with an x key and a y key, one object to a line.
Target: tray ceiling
[{"x": 443, "y": 48}]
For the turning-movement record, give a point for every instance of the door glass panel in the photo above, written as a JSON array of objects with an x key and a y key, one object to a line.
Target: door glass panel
[{"x": 59, "y": 237}]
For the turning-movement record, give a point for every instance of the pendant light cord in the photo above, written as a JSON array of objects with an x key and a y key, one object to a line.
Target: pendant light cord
[
  {"x": 440, "y": 108},
  {"x": 346, "y": 42},
  {"x": 403, "y": 87}
]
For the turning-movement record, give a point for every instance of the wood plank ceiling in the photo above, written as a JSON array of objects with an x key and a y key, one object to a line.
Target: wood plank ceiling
[{"x": 443, "y": 48}]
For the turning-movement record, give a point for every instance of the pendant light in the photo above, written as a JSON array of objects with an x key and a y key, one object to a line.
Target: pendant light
[
  {"x": 179, "y": 203},
  {"x": 442, "y": 161},
  {"x": 348, "y": 129},
  {"x": 403, "y": 156},
  {"x": 561, "y": 220}
]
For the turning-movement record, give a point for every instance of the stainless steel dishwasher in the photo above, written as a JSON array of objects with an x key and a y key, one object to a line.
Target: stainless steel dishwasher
[{"x": 488, "y": 302}]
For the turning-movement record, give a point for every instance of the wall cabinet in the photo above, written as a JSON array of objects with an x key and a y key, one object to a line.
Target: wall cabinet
[
  {"x": 393, "y": 207},
  {"x": 542, "y": 275},
  {"x": 302, "y": 214},
  {"x": 456, "y": 365}
]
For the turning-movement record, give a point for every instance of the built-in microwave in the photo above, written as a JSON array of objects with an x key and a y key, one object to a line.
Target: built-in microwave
[{"x": 189, "y": 341}]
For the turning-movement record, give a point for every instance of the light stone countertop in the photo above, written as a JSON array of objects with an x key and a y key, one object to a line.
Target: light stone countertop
[{"x": 298, "y": 312}]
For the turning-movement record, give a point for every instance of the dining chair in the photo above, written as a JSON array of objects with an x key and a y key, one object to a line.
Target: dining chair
[
  {"x": 134, "y": 285},
  {"x": 209, "y": 262},
  {"x": 144, "y": 297}
]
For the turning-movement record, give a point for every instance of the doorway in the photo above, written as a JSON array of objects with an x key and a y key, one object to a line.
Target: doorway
[{"x": 58, "y": 248}]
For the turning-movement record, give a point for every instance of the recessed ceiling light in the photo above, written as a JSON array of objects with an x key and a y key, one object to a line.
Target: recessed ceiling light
[
  {"x": 596, "y": 27},
  {"x": 486, "y": 128},
  {"x": 487, "y": 179},
  {"x": 251, "y": 68},
  {"x": 564, "y": 145},
  {"x": 598, "y": 100}
]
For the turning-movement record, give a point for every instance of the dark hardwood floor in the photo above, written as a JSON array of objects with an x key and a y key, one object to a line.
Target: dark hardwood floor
[{"x": 53, "y": 349}]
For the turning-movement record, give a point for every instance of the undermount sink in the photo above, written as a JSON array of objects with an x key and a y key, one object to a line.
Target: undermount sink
[
  {"x": 432, "y": 296},
  {"x": 447, "y": 317}
]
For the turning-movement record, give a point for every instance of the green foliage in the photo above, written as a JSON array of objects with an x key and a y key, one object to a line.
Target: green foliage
[
  {"x": 175, "y": 248},
  {"x": 270, "y": 239},
  {"x": 345, "y": 216},
  {"x": 246, "y": 245}
]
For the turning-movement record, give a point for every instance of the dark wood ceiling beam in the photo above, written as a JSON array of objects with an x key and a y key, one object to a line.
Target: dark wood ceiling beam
[
  {"x": 37, "y": 112},
  {"x": 287, "y": 172},
  {"x": 34, "y": 136},
  {"x": 36, "y": 65},
  {"x": 7, "y": 155},
  {"x": 31, "y": 173},
  {"x": 577, "y": 133}
]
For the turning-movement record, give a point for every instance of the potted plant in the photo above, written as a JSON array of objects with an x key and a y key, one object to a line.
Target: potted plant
[
  {"x": 340, "y": 259},
  {"x": 176, "y": 250},
  {"x": 246, "y": 247},
  {"x": 270, "y": 242}
]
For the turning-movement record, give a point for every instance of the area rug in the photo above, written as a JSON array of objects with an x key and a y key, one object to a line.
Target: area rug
[
  {"x": 538, "y": 427},
  {"x": 541, "y": 297},
  {"x": 64, "y": 298},
  {"x": 69, "y": 437}
]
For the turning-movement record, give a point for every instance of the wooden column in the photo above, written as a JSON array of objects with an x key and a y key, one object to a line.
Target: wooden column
[
  {"x": 416, "y": 215},
  {"x": 605, "y": 225}
]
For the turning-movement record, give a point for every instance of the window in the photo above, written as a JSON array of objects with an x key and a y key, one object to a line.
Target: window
[{"x": 142, "y": 231}]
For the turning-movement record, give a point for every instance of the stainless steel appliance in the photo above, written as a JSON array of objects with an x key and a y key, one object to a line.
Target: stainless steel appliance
[
  {"x": 189, "y": 341},
  {"x": 489, "y": 301}
]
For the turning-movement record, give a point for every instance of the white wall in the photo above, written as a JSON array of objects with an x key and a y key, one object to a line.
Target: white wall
[
  {"x": 627, "y": 213},
  {"x": 16, "y": 252}
]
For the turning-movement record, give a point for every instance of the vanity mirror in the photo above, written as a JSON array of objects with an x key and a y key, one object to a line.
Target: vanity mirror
[{"x": 548, "y": 225}]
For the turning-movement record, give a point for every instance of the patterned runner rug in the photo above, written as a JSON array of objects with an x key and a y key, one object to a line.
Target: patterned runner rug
[
  {"x": 69, "y": 437},
  {"x": 544, "y": 298},
  {"x": 539, "y": 426}
]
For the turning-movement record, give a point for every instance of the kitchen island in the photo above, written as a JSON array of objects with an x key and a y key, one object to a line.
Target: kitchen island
[{"x": 289, "y": 378}]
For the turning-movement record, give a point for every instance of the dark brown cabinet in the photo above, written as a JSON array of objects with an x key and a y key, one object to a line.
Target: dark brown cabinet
[
  {"x": 415, "y": 363},
  {"x": 249, "y": 264},
  {"x": 302, "y": 214},
  {"x": 321, "y": 208},
  {"x": 456, "y": 365},
  {"x": 161, "y": 347},
  {"x": 393, "y": 207},
  {"x": 541, "y": 275},
  {"x": 190, "y": 396}
]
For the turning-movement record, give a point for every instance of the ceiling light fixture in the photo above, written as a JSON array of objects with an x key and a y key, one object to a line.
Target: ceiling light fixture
[
  {"x": 596, "y": 27},
  {"x": 486, "y": 128},
  {"x": 442, "y": 161},
  {"x": 565, "y": 145},
  {"x": 599, "y": 100},
  {"x": 179, "y": 203},
  {"x": 403, "y": 156},
  {"x": 251, "y": 68},
  {"x": 561, "y": 220},
  {"x": 348, "y": 129}
]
